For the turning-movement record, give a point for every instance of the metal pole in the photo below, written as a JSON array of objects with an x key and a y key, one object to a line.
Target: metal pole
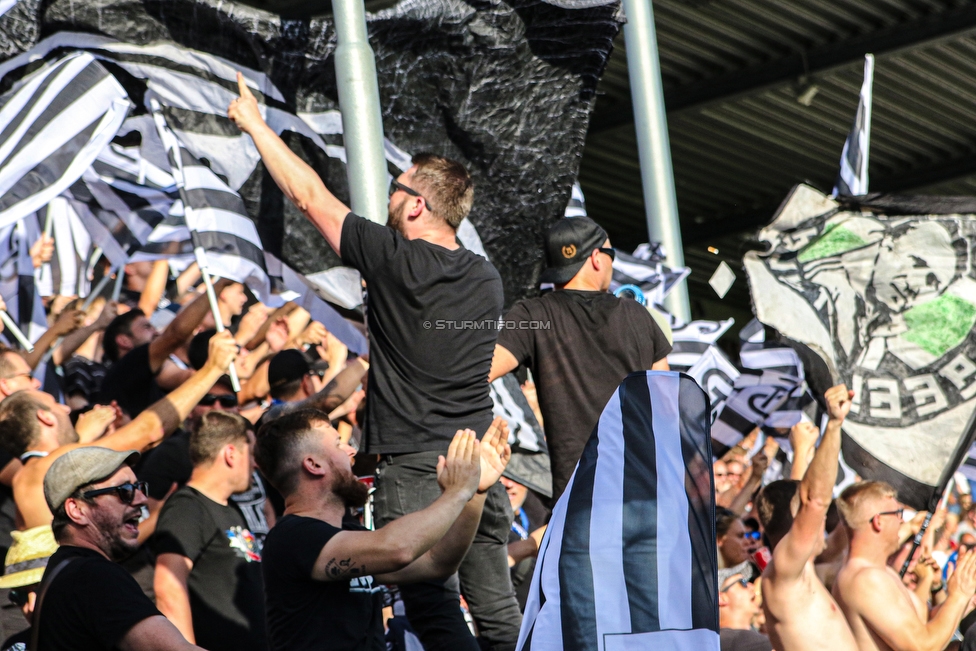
[
  {"x": 651, "y": 123},
  {"x": 359, "y": 103}
]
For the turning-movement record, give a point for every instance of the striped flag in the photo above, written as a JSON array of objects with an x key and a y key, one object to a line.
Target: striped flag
[
  {"x": 65, "y": 275},
  {"x": 530, "y": 464},
  {"x": 17, "y": 285},
  {"x": 690, "y": 342},
  {"x": 755, "y": 396},
  {"x": 218, "y": 221},
  {"x": 852, "y": 180},
  {"x": 629, "y": 559},
  {"x": 52, "y": 126}
]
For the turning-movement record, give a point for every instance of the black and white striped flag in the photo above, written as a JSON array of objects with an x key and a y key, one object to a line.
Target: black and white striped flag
[
  {"x": 629, "y": 559},
  {"x": 52, "y": 126},
  {"x": 690, "y": 342},
  {"x": 530, "y": 464},
  {"x": 852, "y": 180},
  {"x": 65, "y": 274},
  {"x": 218, "y": 221},
  {"x": 755, "y": 396},
  {"x": 17, "y": 284}
]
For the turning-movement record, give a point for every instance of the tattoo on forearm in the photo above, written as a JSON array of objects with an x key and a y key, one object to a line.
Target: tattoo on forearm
[{"x": 336, "y": 569}]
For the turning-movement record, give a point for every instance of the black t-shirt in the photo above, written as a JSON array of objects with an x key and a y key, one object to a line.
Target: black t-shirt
[
  {"x": 733, "y": 639},
  {"x": 582, "y": 346},
  {"x": 91, "y": 604},
  {"x": 321, "y": 615},
  {"x": 226, "y": 587},
  {"x": 432, "y": 317},
  {"x": 131, "y": 382},
  {"x": 167, "y": 463},
  {"x": 84, "y": 377}
]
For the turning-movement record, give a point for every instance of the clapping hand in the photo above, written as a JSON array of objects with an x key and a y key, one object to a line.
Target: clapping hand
[{"x": 495, "y": 453}]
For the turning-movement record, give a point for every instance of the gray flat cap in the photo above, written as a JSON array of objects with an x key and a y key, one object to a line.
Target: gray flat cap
[{"x": 80, "y": 467}]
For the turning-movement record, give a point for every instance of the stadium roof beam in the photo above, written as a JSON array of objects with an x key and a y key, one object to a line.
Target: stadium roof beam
[{"x": 907, "y": 35}]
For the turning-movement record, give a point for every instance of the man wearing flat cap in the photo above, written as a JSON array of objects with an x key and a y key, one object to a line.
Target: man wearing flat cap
[
  {"x": 579, "y": 341},
  {"x": 86, "y": 600}
]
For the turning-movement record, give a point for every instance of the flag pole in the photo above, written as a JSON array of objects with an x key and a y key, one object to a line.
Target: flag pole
[
  {"x": 16, "y": 332},
  {"x": 96, "y": 290},
  {"x": 173, "y": 150},
  {"x": 201, "y": 256},
  {"x": 117, "y": 290},
  {"x": 48, "y": 226}
]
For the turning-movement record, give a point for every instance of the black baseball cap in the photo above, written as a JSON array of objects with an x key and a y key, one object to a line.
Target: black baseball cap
[
  {"x": 569, "y": 243},
  {"x": 287, "y": 366}
]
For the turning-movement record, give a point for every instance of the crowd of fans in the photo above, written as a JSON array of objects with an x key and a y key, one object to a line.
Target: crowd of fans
[{"x": 147, "y": 504}]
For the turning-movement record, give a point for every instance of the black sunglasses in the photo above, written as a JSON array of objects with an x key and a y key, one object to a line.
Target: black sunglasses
[
  {"x": 743, "y": 582},
  {"x": 609, "y": 250},
  {"x": 396, "y": 185},
  {"x": 126, "y": 491},
  {"x": 318, "y": 372},
  {"x": 226, "y": 400},
  {"x": 19, "y": 597}
]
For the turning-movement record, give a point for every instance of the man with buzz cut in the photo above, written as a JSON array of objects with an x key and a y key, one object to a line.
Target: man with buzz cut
[
  {"x": 86, "y": 599},
  {"x": 425, "y": 382},
  {"x": 208, "y": 564}
]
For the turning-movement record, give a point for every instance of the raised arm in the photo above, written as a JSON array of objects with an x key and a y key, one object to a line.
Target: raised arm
[
  {"x": 445, "y": 557},
  {"x": 163, "y": 417},
  {"x": 339, "y": 388},
  {"x": 803, "y": 439},
  {"x": 74, "y": 340},
  {"x": 295, "y": 177},
  {"x": 816, "y": 490},
  {"x": 155, "y": 287},
  {"x": 180, "y": 329},
  {"x": 895, "y": 621},
  {"x": 68, "y": 321},
  {"x": 403, "y": 541}
]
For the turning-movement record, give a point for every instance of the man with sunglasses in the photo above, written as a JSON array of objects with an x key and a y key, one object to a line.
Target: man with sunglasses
[
  {"x": 579, "y": 341},
  {"x": 432, "y": 308},
  {"x": 884, "y": 614},
  {"x": 37, "y": 429},
  {"x": 738, "y": 604},
  {"x": 86, "y": 600}
]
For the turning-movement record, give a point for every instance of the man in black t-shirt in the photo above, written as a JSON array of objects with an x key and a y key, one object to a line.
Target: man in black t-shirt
[
  {"x": 432, "y": 308},
  {"x": 322, "y": 573},
  {"x": 86, "y": 600},
  {"x": 579, "y": 341},
  {"x": 137, "y": 353},
  {"x": 208, "y": 564}
]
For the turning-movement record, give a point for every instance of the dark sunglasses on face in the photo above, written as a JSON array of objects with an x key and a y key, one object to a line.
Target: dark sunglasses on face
[
  {"x": 226, "y": 400},
  {"x": 126, "y": 492},
  {"x": 612, "y": 252},
  {"x": 396, "y": 185},
  {"x": 742, "y": 582},
  {"x": 19, "y": 596}
]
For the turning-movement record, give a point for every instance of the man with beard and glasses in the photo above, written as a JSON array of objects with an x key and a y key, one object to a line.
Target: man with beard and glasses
[
  {"x": 322, "y": 572},
  {"x": 432, "y": 309},
  {"x": 86, "y": 600}
]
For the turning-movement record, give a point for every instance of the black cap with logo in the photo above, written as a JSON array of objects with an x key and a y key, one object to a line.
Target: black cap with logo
[{"x": 569, "y": 243}]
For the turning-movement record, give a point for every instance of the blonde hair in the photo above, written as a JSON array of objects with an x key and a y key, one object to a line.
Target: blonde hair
[
  {"x": 855, "y": 498},
  {"x": 448, "y": 185}
]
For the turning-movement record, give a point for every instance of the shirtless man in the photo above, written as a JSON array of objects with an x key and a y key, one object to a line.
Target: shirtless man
[
  {"x": 800, "y": 613},
  {"x": 37, "y": 429},
  {"x": 883, "y": 613}
]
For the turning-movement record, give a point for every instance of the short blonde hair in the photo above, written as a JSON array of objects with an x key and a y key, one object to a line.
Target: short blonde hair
[
  {"x": 448, "y": 185},
  {"x": 854, "y": 499}
]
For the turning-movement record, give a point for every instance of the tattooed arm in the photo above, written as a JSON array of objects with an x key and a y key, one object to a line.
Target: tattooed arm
[{"x": 398, "y": 544}]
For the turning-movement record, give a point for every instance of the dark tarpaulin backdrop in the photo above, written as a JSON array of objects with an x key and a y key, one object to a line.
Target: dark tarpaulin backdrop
[{"x": 505, "y": 87}]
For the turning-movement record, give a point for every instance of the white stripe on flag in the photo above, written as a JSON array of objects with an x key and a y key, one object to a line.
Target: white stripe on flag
[
  {"x": 673, "y": 540},
  {"x": 606, "y": 525}
]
